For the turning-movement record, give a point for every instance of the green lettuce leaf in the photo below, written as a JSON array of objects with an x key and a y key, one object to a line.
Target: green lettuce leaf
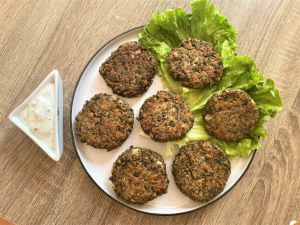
[
  {"x": 209, "y": 25},
  {"x": 266, "y": 97},
  {"x": 167, "y": 30},
  {"x": 159, "y": 49}
]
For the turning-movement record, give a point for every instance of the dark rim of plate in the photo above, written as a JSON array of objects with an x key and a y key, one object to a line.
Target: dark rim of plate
[{"x": 116, "y": 199}]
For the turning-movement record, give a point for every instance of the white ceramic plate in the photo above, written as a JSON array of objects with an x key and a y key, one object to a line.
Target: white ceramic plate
[{"x": 98, "y": 162}]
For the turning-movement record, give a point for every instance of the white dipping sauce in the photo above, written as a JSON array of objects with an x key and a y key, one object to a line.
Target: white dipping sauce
[{"x": 39, "y": 115}]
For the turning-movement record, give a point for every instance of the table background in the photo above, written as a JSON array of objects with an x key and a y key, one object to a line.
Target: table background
[{"x": 38, "y": 36}]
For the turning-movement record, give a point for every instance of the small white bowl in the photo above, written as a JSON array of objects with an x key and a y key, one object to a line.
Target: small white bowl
[{"x": 14, "y": 116}]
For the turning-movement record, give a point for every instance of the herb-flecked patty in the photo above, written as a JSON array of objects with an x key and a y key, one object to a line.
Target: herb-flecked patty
[
  {"x": 105, "y": 121},
  {"x": 165, "y": 117},
  {"x": 195, "y": 64},
  {"x": 130, "y": 70},
  {"x": 230, "y": 115},
  {"x": 139, "y": 175},
  {"x": 201, "y": 170}
]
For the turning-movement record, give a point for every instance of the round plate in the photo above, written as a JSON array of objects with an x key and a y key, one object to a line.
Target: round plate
[{"x": 98, "y": 163}]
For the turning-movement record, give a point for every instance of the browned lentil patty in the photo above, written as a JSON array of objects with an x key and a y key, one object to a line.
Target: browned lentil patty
[
  {"x": 130, "y": 70},
  {"x": 201, "y": 170},
  {"x": 230, "y": 115},
  {"x": 105, "y": 121},
  {"x": 139, "y": 175},
  {"x": 165, "y": 117},
  {"x": 195, "y": 64}
]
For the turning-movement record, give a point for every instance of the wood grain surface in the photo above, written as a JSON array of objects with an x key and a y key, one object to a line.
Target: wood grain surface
[{"x": 38, "y": 36}]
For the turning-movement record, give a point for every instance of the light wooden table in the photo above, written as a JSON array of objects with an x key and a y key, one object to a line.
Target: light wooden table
[{"x": 38, "y": 36}]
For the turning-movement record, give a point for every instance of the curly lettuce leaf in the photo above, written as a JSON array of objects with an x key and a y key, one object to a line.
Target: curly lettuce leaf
[
  {"x": 243, "y": 74},
  {"x": 159, "y": 49},
  {"x": 168, "y": 81},
  {"x": 209, "y": 25},
  {"x": 167, "y": 30},
  {"x": 266, "y": 97}
]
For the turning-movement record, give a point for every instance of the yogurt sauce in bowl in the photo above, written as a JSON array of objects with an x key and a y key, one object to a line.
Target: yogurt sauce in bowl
[{"x": 39, "y": 115}]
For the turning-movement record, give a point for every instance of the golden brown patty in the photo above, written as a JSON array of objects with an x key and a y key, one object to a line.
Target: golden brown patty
[
  {"x": 105, "y": 121},
  {"x": 195, "y": 64},
  {"x": 201, "y": 170},
  {"x": 130, "y": 70},
  {"x": 165, "y": 117},
  {"x": 139, "y": 175},
  {"x": 230, "y": 115}
]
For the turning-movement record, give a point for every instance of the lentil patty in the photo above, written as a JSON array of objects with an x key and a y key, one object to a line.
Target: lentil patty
[
  {"x": 105, "y": 121},
  {"x": 139, "y": 175},
  {"x": 165, "y": 117},
  {"x": 195, "y": 64},
  {"x": 130, "y": 70},
  {"x": 201, "y": 170},
  {"x": 230, "y": 115}
]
